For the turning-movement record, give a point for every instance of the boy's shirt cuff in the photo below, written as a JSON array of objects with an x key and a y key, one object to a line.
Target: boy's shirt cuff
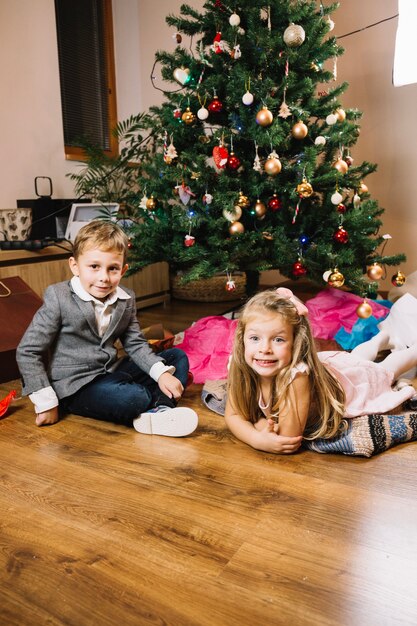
[
  {"x": 44, "y": 399},
  {"x": 160, "y": 368}
]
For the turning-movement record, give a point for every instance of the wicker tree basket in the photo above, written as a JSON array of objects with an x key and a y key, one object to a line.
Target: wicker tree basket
[{"x": 208, "y": 289}]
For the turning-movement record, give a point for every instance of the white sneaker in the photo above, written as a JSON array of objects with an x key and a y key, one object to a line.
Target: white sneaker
[{"x": 163, "y": 420}]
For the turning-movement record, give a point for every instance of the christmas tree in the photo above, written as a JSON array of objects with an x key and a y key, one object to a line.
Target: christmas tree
[{"x": 251, "y": 166}]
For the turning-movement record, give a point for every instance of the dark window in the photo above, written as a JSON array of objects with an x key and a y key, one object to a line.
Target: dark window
[{"x": 86, "y": 70}]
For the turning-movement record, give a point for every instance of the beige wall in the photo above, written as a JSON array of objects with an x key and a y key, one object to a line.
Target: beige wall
[{"x": 31, "y": 130}]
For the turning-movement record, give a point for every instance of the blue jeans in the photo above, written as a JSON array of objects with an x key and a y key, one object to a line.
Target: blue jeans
[{"x": 122, "y": 395}]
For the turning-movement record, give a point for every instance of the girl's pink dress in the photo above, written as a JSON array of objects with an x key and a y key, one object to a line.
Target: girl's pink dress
[{"x": 367, "y": 385}]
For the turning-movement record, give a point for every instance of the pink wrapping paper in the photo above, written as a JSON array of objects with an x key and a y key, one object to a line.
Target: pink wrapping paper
[
  {"x": 331, "y": 309},
  {"x": 208, "y": 344}
]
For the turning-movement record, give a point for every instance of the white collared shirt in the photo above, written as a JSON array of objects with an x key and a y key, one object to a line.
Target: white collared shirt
[{"x": 46, "y": 398}]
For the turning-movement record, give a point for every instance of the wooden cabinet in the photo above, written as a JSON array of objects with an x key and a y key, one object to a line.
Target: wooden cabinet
[{"x": 41, "y": 268}]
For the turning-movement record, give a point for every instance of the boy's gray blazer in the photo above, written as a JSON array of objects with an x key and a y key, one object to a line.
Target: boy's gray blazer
[{"x": 64, "y": 330}]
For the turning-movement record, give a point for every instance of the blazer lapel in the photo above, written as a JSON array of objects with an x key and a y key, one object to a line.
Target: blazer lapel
[
  {"x": 119, "y": 309},
  {"x": 87, "y": 309}
]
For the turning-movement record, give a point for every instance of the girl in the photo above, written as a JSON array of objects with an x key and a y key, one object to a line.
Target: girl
[{"x": 280, "y": 389}]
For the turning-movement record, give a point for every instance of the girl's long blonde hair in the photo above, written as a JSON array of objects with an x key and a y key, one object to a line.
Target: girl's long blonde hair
[{"x": 327, "y": 396}]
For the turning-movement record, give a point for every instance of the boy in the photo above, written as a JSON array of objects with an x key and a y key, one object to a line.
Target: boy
[{"x": 77, "y": 327}]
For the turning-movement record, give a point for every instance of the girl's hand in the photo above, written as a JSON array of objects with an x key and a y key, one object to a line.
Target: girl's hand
[
  {"x": 170, "y": 386},
  {"x": 47, "y": 417},
  {"x": 269, "y": 441}
]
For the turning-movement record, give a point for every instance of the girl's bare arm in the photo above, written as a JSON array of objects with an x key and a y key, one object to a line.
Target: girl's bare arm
[
  {"x": 293, "y": 416},
  {"x": 265, "y": 438}
]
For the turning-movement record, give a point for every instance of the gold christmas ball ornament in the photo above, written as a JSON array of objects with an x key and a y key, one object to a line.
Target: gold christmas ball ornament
[
  {"x": 398, "y": 279},
  {"x": 336, "y": 279},
  {"x": 375, "y": 271},
  {"x": 304, "y": 189},
  {"x": 363, "y": 188},
  {"x": 188, "y": 116},
  {"x": 243, "y": 201},
  {"x": 299, "y": 130},
  {"x": 364, "y": 310},
  {"x": 236, "y": 228},
  {"x": 340, "y": 114},
  {"x": 264, "y": 117},
  {"x": 151, "y": 204},
  {"x": 259, "y": 208},
  {"x": 294, "y": 35},
  {"x": 268, "y": 236},
  {"x": 232, "y": 215},
  {"x": 341, "y": 166},
  {"x": 272, "y": 165}
]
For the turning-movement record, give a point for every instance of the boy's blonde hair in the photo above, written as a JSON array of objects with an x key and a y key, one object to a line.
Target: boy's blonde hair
[
  {"x": 101, "y": 235},
  {"x": 327, "y": 396}
]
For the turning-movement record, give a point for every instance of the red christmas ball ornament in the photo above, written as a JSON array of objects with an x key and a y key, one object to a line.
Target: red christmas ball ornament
[
  {"x": 177, "y": 113},
  {"x": 298, "y": 269},
  {"x": 349, "y": 160},
  {"x": 341, "y": 208},
  {"x": 274, "y": 203},
  {"x": 233, "y": 162},
  {"x": 189, "y": 241},
  {"x": 341, "y": 235},
  {"x": 215, "y": 106}
]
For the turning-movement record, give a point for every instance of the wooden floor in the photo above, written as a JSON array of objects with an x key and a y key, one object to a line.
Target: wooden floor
[{"x": 101, "y": 525}]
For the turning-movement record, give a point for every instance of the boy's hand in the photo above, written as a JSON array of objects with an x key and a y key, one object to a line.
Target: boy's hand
[
  {"x": 47, "y": 417},
  {"x": 170, "y": 385},
  {"x": 270, "y": 441}
]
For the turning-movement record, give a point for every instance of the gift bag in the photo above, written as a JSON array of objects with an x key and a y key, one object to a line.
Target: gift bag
[{"x": 18, "y": 304}]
